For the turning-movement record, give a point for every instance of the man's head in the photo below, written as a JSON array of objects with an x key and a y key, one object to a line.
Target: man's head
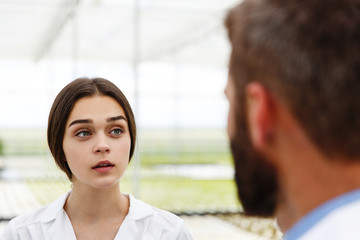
[{"x": 305, "y": 54}]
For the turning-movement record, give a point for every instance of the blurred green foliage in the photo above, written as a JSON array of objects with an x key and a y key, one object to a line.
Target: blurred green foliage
[
  {"x": 175, "y": 194},
  {"x": 1, "y": 148}
]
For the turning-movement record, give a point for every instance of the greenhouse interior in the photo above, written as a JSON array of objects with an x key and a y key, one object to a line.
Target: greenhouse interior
[{"x": 170, "y": 59}]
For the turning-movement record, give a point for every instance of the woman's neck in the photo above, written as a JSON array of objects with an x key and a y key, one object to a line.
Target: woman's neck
[{"x": 90, "y": 204}]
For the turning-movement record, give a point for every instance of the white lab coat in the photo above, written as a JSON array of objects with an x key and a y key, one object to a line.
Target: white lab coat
[{"x": 143, "y": 222}]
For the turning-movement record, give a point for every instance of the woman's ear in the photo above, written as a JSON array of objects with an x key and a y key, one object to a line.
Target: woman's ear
[{"x": 260, "y": 113}]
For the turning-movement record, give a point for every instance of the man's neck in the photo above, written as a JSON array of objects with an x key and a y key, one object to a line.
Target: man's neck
[{"x": 307, "y": 188}]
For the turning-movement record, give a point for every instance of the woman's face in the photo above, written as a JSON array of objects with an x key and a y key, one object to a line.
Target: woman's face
[{"x": 97, "y": 142}]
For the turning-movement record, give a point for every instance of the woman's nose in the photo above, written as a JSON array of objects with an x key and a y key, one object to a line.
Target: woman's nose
[
  {"x": 102, "y": 149},
  {"x": 102, "y": 146}
]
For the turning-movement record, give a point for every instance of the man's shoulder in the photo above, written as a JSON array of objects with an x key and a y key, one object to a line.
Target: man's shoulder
[
  {"x": 342, "y": 223},
  {"x": 346, "y": 216}
]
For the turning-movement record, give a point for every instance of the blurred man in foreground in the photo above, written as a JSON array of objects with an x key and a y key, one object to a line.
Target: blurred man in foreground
[{"x": 294, "y": 117}]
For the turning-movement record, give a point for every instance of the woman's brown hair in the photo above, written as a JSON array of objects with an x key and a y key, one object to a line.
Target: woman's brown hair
[{"x": 63, "y": 105}]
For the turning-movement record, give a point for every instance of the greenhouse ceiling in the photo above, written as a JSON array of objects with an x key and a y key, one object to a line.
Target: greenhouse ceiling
[{"x": 115, "y": 30}]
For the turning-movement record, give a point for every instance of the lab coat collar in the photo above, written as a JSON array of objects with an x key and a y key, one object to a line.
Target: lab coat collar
[
  {"x": 54, "y": 209},
  {"x": 138, "y": 209},
  {"x": 56, "y": 223},
  {"x": 57, "y": 207}
]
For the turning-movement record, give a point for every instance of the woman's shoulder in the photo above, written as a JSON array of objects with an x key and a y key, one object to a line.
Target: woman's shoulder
[
  {"x": 34, "y": 217},
  {"x": 41, "y": 213},
  {"x": 140, "y": 209},
  {"x": 29, "y": 217},
  {"x": 157, "y": 221},
  {"x": 21, "y": 223}
]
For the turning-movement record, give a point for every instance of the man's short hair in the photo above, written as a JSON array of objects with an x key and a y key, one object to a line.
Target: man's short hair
[{"x": 307, "y": 53}]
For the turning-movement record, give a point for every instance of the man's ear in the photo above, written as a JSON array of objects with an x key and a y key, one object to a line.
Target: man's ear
[{"x": 260, "y": 113}]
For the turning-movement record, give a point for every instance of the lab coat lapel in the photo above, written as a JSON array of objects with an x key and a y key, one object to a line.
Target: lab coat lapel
[
  {"x": 128, "y": 230},
  {"x": 60, "y": 228},
  {"x": 137, "y": 216},
  {"x": 55, "y": 223}
]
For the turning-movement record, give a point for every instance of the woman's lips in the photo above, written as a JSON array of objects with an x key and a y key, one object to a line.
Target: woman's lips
[{"x": 103, "y": 166}]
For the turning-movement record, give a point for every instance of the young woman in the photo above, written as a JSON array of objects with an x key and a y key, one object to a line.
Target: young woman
[{"x": 91, "y": 135}]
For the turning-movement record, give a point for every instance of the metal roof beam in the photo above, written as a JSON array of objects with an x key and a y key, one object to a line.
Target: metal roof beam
[
  {"x": 193, "y": 37},
  {"x": 65, "y": 13}
]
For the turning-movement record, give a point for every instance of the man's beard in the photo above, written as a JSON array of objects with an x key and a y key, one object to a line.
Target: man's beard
[{"x": 255, "y": 176}]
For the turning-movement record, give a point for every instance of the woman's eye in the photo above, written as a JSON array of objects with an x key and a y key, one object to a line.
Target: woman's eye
[
  {"x": 83, "y": 134},
  {"x": 116, "y": 131}
]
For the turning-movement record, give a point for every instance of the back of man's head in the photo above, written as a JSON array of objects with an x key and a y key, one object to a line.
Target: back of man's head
[{"x": 307, "y": 53}]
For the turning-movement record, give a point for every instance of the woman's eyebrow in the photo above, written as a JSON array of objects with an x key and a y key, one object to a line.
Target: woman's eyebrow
[
  {"x": 80, "y": 121},
  {"x": 112, "y": 119}
]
